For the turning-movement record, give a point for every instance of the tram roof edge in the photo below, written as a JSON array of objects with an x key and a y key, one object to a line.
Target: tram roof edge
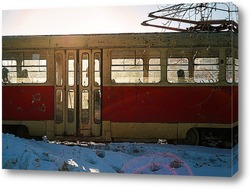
[{"x": 122, "y": 40}]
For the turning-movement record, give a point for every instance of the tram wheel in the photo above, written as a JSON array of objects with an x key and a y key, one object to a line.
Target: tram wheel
[
  {"x": 23, "y": 132},
  {"x": 192, "y": 137}
]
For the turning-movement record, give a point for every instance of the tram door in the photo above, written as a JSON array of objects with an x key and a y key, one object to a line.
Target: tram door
[{"x": 78, "y": 93}]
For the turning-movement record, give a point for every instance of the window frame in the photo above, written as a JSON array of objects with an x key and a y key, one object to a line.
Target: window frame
[
  {"x": 185, "y": 81},
  {"x": 21, "y": 57},
  {"x": 209, "y": 80},
  {"x": 142, "y": 79}
]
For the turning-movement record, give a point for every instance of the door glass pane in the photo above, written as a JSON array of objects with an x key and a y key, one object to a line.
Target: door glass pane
[
  {"x": 71, "y": 70},
  {"x": 85, "y": 107},
  {"x": 71, "y": 106},
  {"x": 97, "y": 69},
  {"x": 97, "y": 107},
  {"x": 59, "y": 69},
  {"x": 85, "y": 69},
  {"x": 59, "y": 107}
]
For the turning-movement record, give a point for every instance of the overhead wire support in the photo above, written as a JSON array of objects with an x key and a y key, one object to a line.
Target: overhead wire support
[{"x": 195, "y": 17}]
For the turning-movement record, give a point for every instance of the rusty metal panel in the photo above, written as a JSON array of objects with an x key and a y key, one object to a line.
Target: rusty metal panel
[
  {"x": 28, "y": 102},
  {"x": 145, "y": 40},
  {"x": 148, "y": 104}
]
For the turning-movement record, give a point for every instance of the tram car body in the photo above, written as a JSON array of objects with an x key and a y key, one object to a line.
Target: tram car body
[{"x": 121, "y": 87}]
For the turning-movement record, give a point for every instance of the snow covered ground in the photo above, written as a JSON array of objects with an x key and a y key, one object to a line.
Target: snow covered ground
[{"x": 119, "y": 158}]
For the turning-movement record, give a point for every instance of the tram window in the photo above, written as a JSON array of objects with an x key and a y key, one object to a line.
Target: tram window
[
  {"x": 236, "y": 70},
  {"x": 71, "y": 106},
  {"x": 135, "y": 66},
  {"x": 127, "y": 70},
  {"x": 206, "y": 70},
  {"x": 97, "y": 69},
  {"x": 71, "y": 70},
  {"x": 229, "y": 70},
  {"x": 85, "y": 107},
  {"x": 154, "y": 70},
  {"x": 97, "y": 106},
  {"x": 59, "y": 69},
  {"x": 33, "y": 71},
  {"x": 174, "y": 66},
  {"x": 9, "y": 71},
  {"x": 24, "y": 68},
  {"x": 85, "y": 69},
  {"x": 59, "y": 107}
]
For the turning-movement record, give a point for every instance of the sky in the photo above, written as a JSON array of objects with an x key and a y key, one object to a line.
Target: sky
[
  {"x": 31, "y": 179},
  {"x": 87, "y": 19},
  {"x": 79, "y": 20}
]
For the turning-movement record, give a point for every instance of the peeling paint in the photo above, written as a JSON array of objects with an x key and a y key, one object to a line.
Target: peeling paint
[
  {"x": 42, "y": 108},
  {"x": 28, "y": 103},
  {"x": 36, "y": 98},
  {"x": 19, "y": 109}
]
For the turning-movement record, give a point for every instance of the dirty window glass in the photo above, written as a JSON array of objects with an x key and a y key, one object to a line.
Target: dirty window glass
[
  {"x": 236, "y": 70},
  {"x": 71, "y": 70},
  {"x": 135, "y": 66},
  {"x": 24, "y": 68},
  {"x": 85, "y": 69},
  {"x": 97, "y": 63},
  {"x": 206, "y": 70},
  {"x": 175, "y": 67}
]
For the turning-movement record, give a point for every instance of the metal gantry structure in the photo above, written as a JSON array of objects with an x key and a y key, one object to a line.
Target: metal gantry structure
[{"x": 212, "y": 17}]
